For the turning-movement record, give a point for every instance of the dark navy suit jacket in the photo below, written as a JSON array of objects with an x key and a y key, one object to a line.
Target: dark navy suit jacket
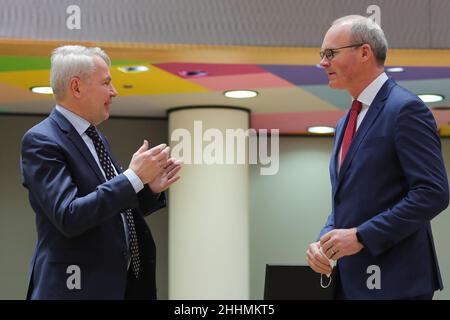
[
  {"x": 78, "y": 216},
  {"x": 391, "y": 184}
]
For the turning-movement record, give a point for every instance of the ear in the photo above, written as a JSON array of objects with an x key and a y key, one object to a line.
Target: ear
[
  {"x": 366, "y": 52},
  {"x": 74, "y": 86}
]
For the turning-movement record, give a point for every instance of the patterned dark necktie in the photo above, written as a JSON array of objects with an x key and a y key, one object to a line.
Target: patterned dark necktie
[
  {"x": 350, "y": 128},
  {"x": 106, "y": 164}
]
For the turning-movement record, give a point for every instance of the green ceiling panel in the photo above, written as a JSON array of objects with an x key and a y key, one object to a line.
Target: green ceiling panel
[
  {"x": 127, "y": 62},
  {"x": 12, "y": 63}
]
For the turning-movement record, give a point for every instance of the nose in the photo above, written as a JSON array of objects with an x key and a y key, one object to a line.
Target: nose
[
  {"x": 113, "y": 91},
  {"x": 324, "y": 62}
]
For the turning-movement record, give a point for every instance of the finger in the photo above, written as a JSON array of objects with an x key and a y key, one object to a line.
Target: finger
[
  {"x": 331, "y": 250},
  {"x": 320, "y": 260},
  {"x": 331, "y": 253},
  {"x": 337, "y": 255},
  {"x": 174, "y": 161},
  {"x": 170, "y": 162},
  {"x": 312, "y": 264},
  {"x": 157, "y": 149},
  {"x": 154, "y": 152},
  {"x": 170, "y": 168},
  {"x": 169, "y": 182},
  {"x": 173, "y": 180},
  {"x": 325, "y": 237},
  {"x": 144, "y": 147},
  {"x": 326, "y": 246},
  {"x": 323, "y": 257},
  {"x": 325, "y": 269},
  {"x": 173, "y": 172},
  {"x": 162, "y": 156}
]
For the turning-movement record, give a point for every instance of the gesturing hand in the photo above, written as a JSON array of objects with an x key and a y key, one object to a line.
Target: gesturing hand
[
  {"x": 148, "y": 164},
  {"x": 167, "y": 177}
]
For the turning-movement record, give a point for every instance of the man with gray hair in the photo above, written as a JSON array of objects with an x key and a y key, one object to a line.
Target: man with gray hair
[
  {"x": 387, "y": 175},
  {"x": 92, "y": 239}
]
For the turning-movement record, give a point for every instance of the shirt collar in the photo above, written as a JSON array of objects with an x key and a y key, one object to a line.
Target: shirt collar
[
  {"x": 369, "y": 93},
  {"x": 80, "y": 124}
]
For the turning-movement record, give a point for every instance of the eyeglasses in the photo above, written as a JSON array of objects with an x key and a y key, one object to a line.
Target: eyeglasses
[{"x": 329, "y": 53}]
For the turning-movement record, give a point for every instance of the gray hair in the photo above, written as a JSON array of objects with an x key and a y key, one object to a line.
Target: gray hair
[
  {"x": 72, "y": 61},
  {"x": 365, "y": 30}
]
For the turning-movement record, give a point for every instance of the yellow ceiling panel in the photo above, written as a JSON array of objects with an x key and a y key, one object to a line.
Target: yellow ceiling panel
[
  {"x": 26, "y": 79},
  {"x": 154, "y": 81},
  {"x": 444, "y": 131}
]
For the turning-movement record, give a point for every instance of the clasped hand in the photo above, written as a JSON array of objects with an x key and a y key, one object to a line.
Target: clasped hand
[{"x": 154, "y": 167}]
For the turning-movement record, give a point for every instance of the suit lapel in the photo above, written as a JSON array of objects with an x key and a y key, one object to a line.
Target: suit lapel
[
  {"x": 76, "y": 139},
  {"x": 370, "y": 118},
  {"x": 337, "y": 146}
]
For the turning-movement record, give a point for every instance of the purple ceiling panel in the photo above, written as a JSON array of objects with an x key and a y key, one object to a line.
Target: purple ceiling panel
[
  {"x": 420, "y": 73},
  {"x": 298, "y": 74},
  {"x": 301, "y": 75}
]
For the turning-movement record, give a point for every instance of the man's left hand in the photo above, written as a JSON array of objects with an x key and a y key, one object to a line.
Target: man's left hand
[
  {"x": 167, "y": 177},
  {"x": 339, "y": 243}
]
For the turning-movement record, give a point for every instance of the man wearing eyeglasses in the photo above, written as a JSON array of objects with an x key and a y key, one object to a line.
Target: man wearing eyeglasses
[{"x": 387, "y": 175}]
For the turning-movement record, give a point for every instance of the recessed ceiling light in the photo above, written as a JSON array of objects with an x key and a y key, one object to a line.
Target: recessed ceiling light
[
  {"x": 321, "y": 129},
  {"x": 395, "y": 69},
  {"x": 240, "y": 94},
  {"x": 131, "y": 69},
  {"x": 42, "y": 90},
  {"x": 428, "y": 98},
  {"x": 193, "y": 73}
]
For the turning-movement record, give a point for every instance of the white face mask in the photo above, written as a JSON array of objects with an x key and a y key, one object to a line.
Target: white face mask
[{"x": 332, "y": 264}]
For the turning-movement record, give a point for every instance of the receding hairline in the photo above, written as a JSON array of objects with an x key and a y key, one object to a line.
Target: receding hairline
[
  {"x": 76, "y": 61},
  {"x": 349, "y": 20}
]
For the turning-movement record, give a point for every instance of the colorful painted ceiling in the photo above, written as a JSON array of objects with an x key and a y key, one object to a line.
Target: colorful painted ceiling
[{"x": 291, "y": 96}]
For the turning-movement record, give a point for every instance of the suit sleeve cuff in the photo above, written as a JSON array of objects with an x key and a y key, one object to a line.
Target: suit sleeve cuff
[{"x": 134, "y": 180}]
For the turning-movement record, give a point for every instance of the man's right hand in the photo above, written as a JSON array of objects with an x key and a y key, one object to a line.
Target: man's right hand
[
  {"x": 149, "y": 163},
  {"x": 317, "y": 260}
]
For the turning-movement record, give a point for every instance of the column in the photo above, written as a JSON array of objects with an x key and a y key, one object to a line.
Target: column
[{"x": 209, "y": 206}]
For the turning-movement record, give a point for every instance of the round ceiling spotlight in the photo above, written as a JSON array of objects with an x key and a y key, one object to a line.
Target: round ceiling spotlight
[
  {"x": 321, "y": 129},
  {"x": 193, "y": 73},
  {"x": 429, "y": 98},
  {"x": 240, "y": 94},
  {"x": 42, "y": 90},
  {"x": 133, "y": 69},
  {"x": 395, "y": 69}
]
